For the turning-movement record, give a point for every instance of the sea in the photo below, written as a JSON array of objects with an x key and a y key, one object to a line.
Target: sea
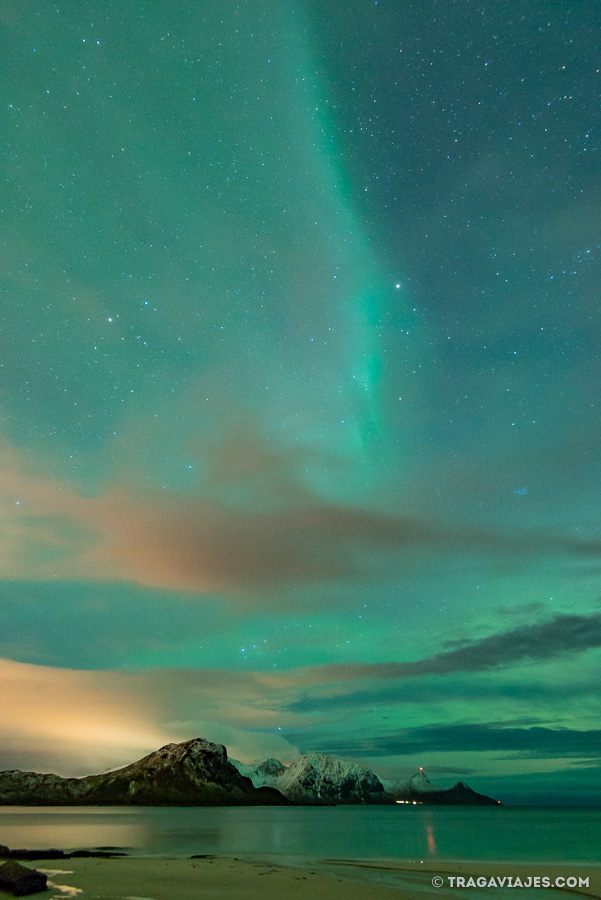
[
  {"x": 457, "y": 833},
  {"x": 325, "y": 836}
]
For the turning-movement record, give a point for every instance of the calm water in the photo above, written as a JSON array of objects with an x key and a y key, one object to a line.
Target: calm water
[{"x": 452, "y": 833}]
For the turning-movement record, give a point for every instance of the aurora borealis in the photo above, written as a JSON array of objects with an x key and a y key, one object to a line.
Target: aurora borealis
[{"x": 300, "y": 385}]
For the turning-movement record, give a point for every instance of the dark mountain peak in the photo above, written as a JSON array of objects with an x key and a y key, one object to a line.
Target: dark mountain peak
[
  {"x": 198, "y": 773},
  {"x": 419, "y": 789},
  {"x": 194, "y": 754},
  {"x": 193, "y": 773}
]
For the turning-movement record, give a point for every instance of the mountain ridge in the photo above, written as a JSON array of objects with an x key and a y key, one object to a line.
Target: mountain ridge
[
  {"x": 198, "y": 773},
  {"x": 192, "y": 773},
  {"x": 317, "y": 778},
  {"x": 419, "y": 789}
]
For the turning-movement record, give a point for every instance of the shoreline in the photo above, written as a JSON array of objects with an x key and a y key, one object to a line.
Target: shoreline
[{"x": 234, "y": 878}]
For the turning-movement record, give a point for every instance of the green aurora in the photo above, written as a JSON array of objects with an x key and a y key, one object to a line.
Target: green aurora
[{"x": 300, "y": 386}]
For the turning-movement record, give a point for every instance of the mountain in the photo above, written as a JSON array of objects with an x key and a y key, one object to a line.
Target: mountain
[
  {"x": 319, "y": 779},
  {"x": 198, "y": 773},
  {"x": 194, "y": 773},
  {"x": 419, "y": 789},
  {"x": 262, "y": 772},
  {"x": 417, "y": 782},
  {"x": 32, "y": 789}
]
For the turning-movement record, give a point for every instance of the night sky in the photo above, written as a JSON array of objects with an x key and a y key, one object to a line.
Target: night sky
[{"x": 300, "y": 383}]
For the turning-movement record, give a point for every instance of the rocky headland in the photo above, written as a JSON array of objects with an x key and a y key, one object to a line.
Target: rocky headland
[{"x": 193, "y": 773}]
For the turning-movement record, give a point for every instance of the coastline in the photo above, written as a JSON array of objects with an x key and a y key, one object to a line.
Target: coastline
[{"x": 232, "y": 878}]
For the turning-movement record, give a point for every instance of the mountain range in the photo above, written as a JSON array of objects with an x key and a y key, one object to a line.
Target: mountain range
[
  {"x": 199, "y": 773},
  {"x": 317, "y": 778},
  {"x": 419, "y": 789},
  {"x": 194, "y": 773}
]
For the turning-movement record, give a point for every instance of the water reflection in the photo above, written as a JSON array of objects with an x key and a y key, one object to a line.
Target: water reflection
[
  {"x": 492, "y": 833},
  {"x": 51, "y": 828},
  {"x": 431, "y": 841}
]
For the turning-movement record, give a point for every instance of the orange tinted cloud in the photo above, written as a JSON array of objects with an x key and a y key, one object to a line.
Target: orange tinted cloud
[
  {"x": 168, "y": 541},
  {"x": 76, "y": 722},
  {"x": 73, "y": 717},
  {"x": 193, "y": 544}
]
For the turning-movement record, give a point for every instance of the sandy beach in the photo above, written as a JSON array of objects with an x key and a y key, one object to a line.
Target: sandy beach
[{"x": 234, "y": 879}]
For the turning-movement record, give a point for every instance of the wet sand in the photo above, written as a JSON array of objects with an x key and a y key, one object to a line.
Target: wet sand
[
  {"x": 233, "y": 879},
  {"x": 194, "y": 879}
]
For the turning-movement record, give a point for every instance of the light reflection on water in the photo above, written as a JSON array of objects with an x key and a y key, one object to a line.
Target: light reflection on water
[
  {"x": 431, "y": 841},
  {"x": 358, "y": 832},
  {"x": 70, "y": 828}
]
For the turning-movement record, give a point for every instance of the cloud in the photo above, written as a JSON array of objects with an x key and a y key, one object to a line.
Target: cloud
[
  {"x": 167, "y": 540},
  {"x": 76, "y": 722},
  {"x": 65, "y": 718},
  {"x": 525, "y": 610},
  {"x": 563, "y": 634},
  {"x": 282, "y": 536},
  {"x": 559, "y": 787},
  {"x": 366, "y": 695},
  {"x": 532, "y": 742}
]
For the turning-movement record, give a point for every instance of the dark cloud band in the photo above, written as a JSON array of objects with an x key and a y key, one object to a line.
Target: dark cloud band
[
  {"x": 563, "y": 634},
  {"x": 537, "y": 741}
]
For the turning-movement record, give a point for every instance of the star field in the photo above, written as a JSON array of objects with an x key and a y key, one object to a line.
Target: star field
[{"x": 300, "y": 369}]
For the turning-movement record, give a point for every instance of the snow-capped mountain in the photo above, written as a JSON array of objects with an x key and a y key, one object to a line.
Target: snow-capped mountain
[
  {"x": 417, "y": 782},
  {"x": 262, "y": 772},
  {"x": 198, "y": 773},
  {"x": 317, "y": 778},
  {"x": 419, "y": 789}
]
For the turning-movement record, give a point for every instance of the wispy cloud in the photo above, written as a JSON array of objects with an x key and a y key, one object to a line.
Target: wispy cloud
[
  {"x": 362, "y": 696},
  {"x": 527, "y": 742},
  {"x": 562, "y": 634},
  {"x": 197, "y": 544},
  {"x": 102, "y": 718}
]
